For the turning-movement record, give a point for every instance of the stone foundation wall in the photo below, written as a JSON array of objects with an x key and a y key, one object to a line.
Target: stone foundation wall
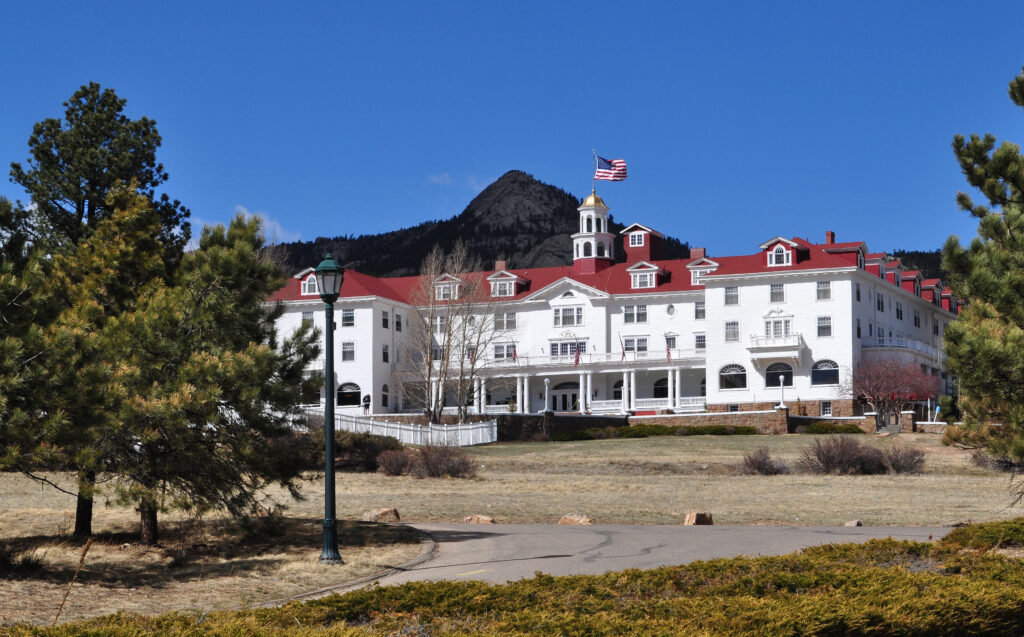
[
  {"x": 797, "y": 424},
  {"x": 766, "y": 422}
]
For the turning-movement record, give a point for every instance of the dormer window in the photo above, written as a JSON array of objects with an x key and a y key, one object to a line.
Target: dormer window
[
  {"x": 643, "y": 280},
  {"x": 780, "y": 256},
  {"x": 636, "y": 239},
  {"x": 446, "y": 291},
  {"x": 860, "y": 260},
  {"x": 309, "y": 285},
  {"x": 503, "y": 288}
]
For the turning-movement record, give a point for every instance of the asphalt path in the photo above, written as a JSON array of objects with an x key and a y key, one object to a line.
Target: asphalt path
[{"x": 506, "y": 552}]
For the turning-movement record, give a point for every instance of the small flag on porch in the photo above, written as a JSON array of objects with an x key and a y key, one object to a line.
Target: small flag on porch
[
  {"x": 514, "y": 357},
  {"x": 577, "y": 363},
  {"x": 668, "y": 353}
]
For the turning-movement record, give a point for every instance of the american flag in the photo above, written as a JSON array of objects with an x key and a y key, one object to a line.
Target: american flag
[
  {"x": 610, "y": 169},
  {"x": 668, "y": 353},
  {"x": 513, "y": 353},
  {"x": 577, "y": 363}
]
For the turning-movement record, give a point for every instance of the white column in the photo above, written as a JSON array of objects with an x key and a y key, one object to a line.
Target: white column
[
  {"x": 590, "y": 389},
  {"x": 583, "y": 392},
  {"x": 632, "y": 390},
  {"x": 679, "y": 390},
  {"x": 519, "y": 394},
  {"x": 483, "y": 395},
  {"x": 547, "y": 394},
  {"x": 526, "y": 394},
  {"x": 671, "y": 388},
  {"x": 625, "y": 392}
]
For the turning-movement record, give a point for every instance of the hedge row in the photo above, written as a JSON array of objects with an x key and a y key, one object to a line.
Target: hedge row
[
  {"x": 647, "y": 431},
  {"x": 882, "y": 587}
]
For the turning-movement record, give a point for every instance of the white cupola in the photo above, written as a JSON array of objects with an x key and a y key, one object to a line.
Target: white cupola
[{"x": 593, "y": 247}]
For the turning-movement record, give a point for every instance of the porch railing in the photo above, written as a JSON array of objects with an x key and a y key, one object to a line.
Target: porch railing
[{"x": 464, "y": 435}]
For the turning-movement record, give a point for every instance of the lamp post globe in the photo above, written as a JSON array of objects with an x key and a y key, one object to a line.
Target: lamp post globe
[
  {"x": 782, "y": 389},
  {"x": 329, "y": 276}
]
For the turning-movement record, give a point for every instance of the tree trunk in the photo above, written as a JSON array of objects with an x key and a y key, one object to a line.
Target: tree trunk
[
  {"x": 83, "y": 508},
  {"x": 148, "y": 533}
]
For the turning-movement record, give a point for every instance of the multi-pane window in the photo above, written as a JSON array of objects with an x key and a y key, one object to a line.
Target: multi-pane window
[
  {"x": 857, "y": 289},
  {"x": 825, "y": 408},
  {"x": 670, "y": 342},
  {"x": 698, "y": 310},
  {"x": 568, "y": 348},
  {"x": 825, "y": 372},
  {"x": 824, "y": 326},
  {"x": 917, "y": 318},
  {"x": 824, "y": 290},
  {"x": 635, "y": 344},
  {"x": 732, "y": 377},
  {"x": 634, "y": 314},
  {"x": 348, "y": 351},
  {"x": 780, "y": 256},
  {"x": 899, "y": 311},
  {"x": 778, "y": 293},
  {"x": 732, "y": 330},
  {"x": 700, "y": 343},
  {"x": 778, "y": 374},
  {"x": 440, "y": 324},
  {"x": 384, "y": 319},
  {"x": 307, "y": 319},
  {"x": 636, "y": 238},
  {"x": 777, "y": 328},
  {"x": 568, "y": 316},
  {"x": 643, "y": 280},
  {"x": 384, "y": 392},
  {"x": 504, "y": 320},
  {"x": 503, "y": 351},
  {"x": 384, "y": 354},
  {"x": 398, "y": 322},
  {"x": 879, "y": 302},
  {"x": 732, "y": 295},
  {"x": 309, "y": 285},
  {"x": 503, "y": 288},
  {"x": 348, "y": 318},
  {"x": 446, "y": 291}
]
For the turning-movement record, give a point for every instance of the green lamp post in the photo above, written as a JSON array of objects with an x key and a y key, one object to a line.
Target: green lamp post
[{"x": 329, "y": 276}]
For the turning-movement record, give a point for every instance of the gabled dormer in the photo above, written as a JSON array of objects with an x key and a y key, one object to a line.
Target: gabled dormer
[
  {"x": 780, "y": 252},
  {"x": 644, "y": 275},
  {"x": 505, "y": 283},
  {"x": 307, "y": 282},
  {"x": 446, "y": 287},
  {"x": 699, "y": 268},
  {"x": 877, "y": 263},
  {"x": 912, "y": 282},
  {"x": 641, "y": 243},
  {"x": 931, "y": 291}
]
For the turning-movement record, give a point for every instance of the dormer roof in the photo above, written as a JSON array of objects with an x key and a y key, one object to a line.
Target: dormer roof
[
  {"x": 636, "y": 227},
  {"x": 505, "y": 275},
  {"x": 702, "y": 263},
  {"x": 643, "y": 266},
  {"x": 772, "y": 242}
]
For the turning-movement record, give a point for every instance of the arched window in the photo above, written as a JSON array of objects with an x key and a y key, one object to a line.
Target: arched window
[
  {"x": 590, "y": 224},
  {"x": 779, "y": 256},
  {"x": 661, "y": 388},
  {"x": 384, "y": 395},
  {"x": 617, "y": 390},
  {"x": 774, "y": 371},
  {"x": 732, "y": 377},
  {"x": 587, "y": 250},
  {"x": 600, "y": 249},
  {"x": 825, "y": 372},
  {"x": 566, "y": 385},
  {"x": 309, "y": 285},
  {"x": 348, "y": 395}
]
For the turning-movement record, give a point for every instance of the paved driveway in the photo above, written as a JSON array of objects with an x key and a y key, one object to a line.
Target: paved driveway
[{"x": 505, "y": 552}]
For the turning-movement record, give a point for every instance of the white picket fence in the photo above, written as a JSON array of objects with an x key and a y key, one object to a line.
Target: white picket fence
[{"x": 465, "y": 435}]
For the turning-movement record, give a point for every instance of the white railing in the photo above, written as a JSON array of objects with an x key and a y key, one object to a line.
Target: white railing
[
  {"x": 690, "y": 403},
  {"x": 652, "y": 403},
  {"x": 789, "y": 340},
  {"x": 498, "y": 409},
  {"x": 596, "y": 358},
  {"x": 605, "y": 406},
  {"x": 904, "y": 343},
  {"x": 464, "y": 435}
]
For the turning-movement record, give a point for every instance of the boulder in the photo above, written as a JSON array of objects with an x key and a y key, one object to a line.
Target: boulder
[
  {"x": 575, "y": 518},
  {"x": 694, "y": 518},
  {"x": 386, "y": 514},
  {"x": 853, "y": 523},
  {"x": 477, "y": 519}
]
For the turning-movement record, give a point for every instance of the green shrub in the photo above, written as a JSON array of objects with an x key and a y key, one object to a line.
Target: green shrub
[
  {"x": 569, "y": 436},
  {"x": 645, "y": 431},
  {"x": 987, "y": 535},
  {"x": 825, "y": 427}
]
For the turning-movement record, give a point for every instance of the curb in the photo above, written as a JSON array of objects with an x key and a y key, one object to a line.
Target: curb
[{"x": 427, "y": 551}]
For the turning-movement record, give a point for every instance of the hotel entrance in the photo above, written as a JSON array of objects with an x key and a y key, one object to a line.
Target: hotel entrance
[{"x": 565, "y": 397}]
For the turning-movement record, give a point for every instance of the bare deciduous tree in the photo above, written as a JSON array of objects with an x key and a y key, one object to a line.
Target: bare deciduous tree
[{"x": 889, "y": 386}]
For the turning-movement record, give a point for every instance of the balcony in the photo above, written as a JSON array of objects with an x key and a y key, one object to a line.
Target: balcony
[
  {"x": 789, "y": 347},
  {"x": 601, "y": 360},
  {"x": 930, "y": 352}
]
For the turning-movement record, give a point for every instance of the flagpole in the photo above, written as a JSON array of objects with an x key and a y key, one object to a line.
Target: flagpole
[{"x": 593, "y": 187}]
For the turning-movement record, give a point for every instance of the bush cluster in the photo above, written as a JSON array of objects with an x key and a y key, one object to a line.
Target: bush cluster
[
  {"x": 842, "y": 455},
  {"x": 825, "y": 427},
  {"x": 427, "y": 462},
  {"x": 647, "y": 431},
  {"x": 760, "y": 462}
]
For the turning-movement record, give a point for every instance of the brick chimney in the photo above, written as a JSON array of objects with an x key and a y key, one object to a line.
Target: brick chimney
[
  {"x": 697, "y": 253},
  {"x": 500, "y": 265},
  {"x": 830, "y": 237}
]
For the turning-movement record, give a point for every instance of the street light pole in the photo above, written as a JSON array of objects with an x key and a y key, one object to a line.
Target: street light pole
[
  {"x": 782, "y": 388},
  {"x": 329, "y": 276}
]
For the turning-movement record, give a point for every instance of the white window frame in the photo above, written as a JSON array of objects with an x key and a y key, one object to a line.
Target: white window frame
[
  {"x": 735, "y": 331},
  {"x": 446, "y": 291},
  {"x": 348, "y": 351},
  {"x": 825, "y": 408},
  {"x": 636, "y": 239},
  {"x": 573, "y": 311},
  {"x": 307, "y": 319},
  {"x": 777, "y": 327},
  {"x": 504, "y": 321},
  {"x": 637, "y": 344},
  {"x": 779, "y": 256},
  {"x": 734, "y": 295},
  {"x": 824, "y": 322},
  {"x": 643, "y": 280},
  {"x": 700, "y": 341},
  {"x": 348, "y": 318},
  {"x": 777, "y": 293},
  {"x": 398, "y": 322},
  {"x": 670, "y": 342},
  {"x": 384, "y": 354},
  {"x": 823, "y": 291},
  {"x": 309, "y": 287},
  {"x": 699, "y": 310},
  {"x": 385, "y": 319},
  {"x": 504, "y": 351},
  {"x": 634, "y": 313},
  {"x": 503, "y": 288}
]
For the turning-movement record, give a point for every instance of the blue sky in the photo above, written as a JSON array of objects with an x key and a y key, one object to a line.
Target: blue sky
[{"x": 739, "y": 121}]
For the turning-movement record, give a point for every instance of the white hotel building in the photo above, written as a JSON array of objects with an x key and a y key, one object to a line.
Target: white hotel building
[{"x": 654, "y": 336}]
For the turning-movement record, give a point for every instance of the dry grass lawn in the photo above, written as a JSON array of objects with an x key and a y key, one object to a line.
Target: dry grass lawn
[{"x": 642, "y": 481}]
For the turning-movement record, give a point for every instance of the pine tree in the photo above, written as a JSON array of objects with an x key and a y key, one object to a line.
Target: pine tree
[{"x": 985, "y": 344}]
